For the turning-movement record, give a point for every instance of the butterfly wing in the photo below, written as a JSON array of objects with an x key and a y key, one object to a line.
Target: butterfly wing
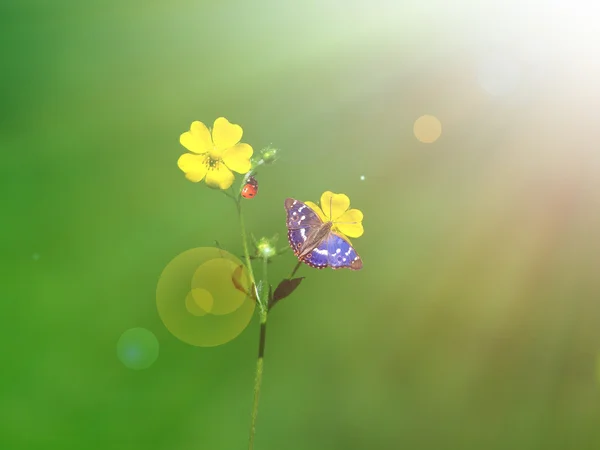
[
  {"x": 340, "y": 254},
  {"x": 318, "y": 257},
  {"x": 335, "y": 252},
  {"x": 301, "y": 222},
  {"x": 300, "y": 215}
]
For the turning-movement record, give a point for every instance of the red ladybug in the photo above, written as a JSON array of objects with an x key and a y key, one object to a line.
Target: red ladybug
[{"x": 250, "y": 189}]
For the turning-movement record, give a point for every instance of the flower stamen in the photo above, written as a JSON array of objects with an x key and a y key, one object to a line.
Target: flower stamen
[{"x": 211, "y": 162}]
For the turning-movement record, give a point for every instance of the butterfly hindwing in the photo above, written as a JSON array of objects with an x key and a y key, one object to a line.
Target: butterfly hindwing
[
  {"x": 318, "y": 257},
  {"x": 334, "y": 252},
  {"x": 340, "y": 254},
  {"x": 297, "y": 238}
]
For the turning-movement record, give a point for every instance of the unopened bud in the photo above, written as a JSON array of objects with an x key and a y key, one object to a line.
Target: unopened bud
[{"x": 269, "y": 155}]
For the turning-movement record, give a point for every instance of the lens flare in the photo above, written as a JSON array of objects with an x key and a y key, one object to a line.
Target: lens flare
[
  {"x": 199, "y": 302},
  {"x": 427, "y": 129},
  {"x": 137, "y": 348}
]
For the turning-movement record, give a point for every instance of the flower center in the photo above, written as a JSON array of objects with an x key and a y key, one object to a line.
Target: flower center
[{"x": 212, "y": 163}]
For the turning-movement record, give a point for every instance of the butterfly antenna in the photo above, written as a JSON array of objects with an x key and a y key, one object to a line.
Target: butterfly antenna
[{"x": 330, "y": 205}]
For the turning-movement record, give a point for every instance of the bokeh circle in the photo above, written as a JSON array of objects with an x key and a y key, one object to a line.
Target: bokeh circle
[
  {"x": 427, "y": 129},
  {"x": 137, "y": 348},
  {"x": 202, "y": 298}
]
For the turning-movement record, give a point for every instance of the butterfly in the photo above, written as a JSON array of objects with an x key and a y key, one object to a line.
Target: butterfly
[{"x": 314, "y": 243}]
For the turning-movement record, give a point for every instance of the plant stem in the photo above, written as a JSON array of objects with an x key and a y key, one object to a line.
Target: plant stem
[
  {"x": 246, "y": 252},
  {"x": 262, "y": 302},
  {"x": 261, "y": 352},
  {"x": 295, "y": 269},
  {"x": 258, "y": 377}
]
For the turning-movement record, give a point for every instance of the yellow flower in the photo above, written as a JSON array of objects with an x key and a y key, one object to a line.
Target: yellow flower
[
  {"x": 335, "y": 209},
  {"x": 215, "y": 156}
]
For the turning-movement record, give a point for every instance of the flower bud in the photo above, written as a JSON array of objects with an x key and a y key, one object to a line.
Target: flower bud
[
  {"x": 269, "y": 155},
  {"x": 265, "y": 248}
]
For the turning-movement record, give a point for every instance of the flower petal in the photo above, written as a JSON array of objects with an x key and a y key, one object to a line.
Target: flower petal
[
  {"x": 195, "y": 176},
  {"x": 225, "y": 134},
  {"x": 198, "y": 139},
  {"x": 238, "y": 158},
  {"x": 351, "y": 216},
  {"x": 193, "y": 166},
  {"x": 220, "y": 177},
  {"x": 318, "y": 210},
  {"x": 334, "y": 205},
  {"x": 350, "y": 223}
]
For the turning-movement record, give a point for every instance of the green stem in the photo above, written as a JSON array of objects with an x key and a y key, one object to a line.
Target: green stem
[
  {"x": 265, "y": 277},
  {"x": 246, "y": 252},
  {"x": 259, "y": 369},
  {"x": 262, "y": 305},
  {"x": 261, "y": 351},
  {"x": 295, "y": 270},
  {"x": 258, "y": 377}
]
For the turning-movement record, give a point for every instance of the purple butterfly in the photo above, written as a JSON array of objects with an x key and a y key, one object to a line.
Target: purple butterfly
[{"x": 314, "y": 243}]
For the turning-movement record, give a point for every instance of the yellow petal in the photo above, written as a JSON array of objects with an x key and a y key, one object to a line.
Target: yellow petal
[
  {"x": 318, "y": 210},
  {"x": 194, "y": 166},
  {"x": 198, "y": 139},
  {"x": 225, "y": 134},
  {"x": 334, "y": 205},
  {"x": 351, "y": 216},
  {"x": 238, "y": 158},
  {"x": 350, "y": 223},
  {"x": 220, "y": 177},
  {"x": 195, "y": 176}
]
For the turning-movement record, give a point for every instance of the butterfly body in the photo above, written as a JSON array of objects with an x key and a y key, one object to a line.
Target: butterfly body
[{"x": 314, "y": 242}]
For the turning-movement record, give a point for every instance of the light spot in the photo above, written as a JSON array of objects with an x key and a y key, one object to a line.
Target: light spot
[
  {"x": 303, "y": 217},
  {"x": 427, "y": 129},
  {"x": 199, "y": 302},
  {"x": 35, "y": 256},
  {"x": 202, "y": 297},
  {"x": 362, "y": 178},
  {"x": 137, "y": 348}
]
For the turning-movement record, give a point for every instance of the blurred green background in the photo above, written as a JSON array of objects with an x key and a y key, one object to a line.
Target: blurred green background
[{"x": 475, "y": 321}]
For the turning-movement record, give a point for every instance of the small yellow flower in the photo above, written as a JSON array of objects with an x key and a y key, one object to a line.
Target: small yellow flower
[
  {"x": 335, "y": 209},
  {"x": 215, "y": 155}
]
